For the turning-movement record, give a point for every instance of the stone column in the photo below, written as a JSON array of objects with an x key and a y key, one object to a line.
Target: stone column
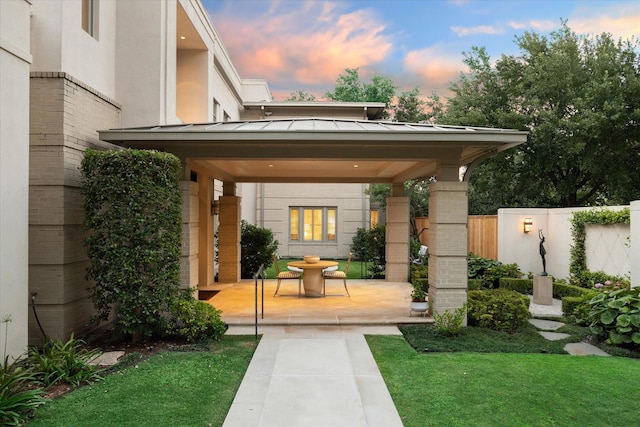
[
  {"x": 397, "y": 236},
  {"x": 189, "y": 253},
  {"x": 447, "y": 245},
  {"x": 229, "y": 236},
  {"x": 206, "y": 230}
]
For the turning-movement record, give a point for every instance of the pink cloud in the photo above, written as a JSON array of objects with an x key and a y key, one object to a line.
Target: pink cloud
[
  {"x": 306, "y": 42},
  {"x": 436, "y": 65},
  {"x": 621, "y": 21}
]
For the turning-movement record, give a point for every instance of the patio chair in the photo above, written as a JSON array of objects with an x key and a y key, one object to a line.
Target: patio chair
[
  {"x": 286, "y": 275},
  {"x": 339, "y": 275}
]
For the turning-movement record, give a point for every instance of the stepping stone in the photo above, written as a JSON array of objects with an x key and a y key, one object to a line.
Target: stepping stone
[
  {"x": 553, "y": 336},
  {"x": 583, "y": 349},
  {"x": 546, "y": 325},
  {"x": 109, "y": 358}
]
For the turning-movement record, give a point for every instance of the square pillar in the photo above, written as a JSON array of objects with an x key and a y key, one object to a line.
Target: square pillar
[
  {"x": 189, "y": 252},
  {"x": 397, "y": 239},
  {"x": 205, "y": 231},
  {"x": 229, "y": 234},
  {"x": 447, "y": 245}
]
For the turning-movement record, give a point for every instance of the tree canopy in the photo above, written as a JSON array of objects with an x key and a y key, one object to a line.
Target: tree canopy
[
  {"x": 300, "y": 95},
  {"x": 579, "y": 97},
  {"x": 350, "y": 88}
]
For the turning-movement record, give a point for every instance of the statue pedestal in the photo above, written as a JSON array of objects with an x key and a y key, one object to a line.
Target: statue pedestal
[{"x": 542, "y": 290}]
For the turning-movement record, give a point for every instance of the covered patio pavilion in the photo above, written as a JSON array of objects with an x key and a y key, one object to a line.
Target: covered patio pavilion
[{"x": 325, "y": 150}]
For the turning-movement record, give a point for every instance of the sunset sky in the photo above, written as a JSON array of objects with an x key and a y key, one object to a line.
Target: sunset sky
[{"x": 305, "y": 45}]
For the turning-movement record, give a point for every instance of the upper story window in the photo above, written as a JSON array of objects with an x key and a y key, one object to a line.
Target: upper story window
[
  {"x": 216, "y": 109},
  {"x": 312, "y": 224},
  {"x": 90, "y": 17}
]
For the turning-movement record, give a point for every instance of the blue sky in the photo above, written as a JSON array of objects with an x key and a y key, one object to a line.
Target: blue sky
[{"x": 305, "y": 45}]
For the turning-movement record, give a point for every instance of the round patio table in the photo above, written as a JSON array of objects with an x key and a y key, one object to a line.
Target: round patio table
[{"x": 312, "y": 279}]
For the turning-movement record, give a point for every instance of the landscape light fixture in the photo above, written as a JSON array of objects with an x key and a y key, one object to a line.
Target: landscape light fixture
[{"x": 528, "y": 225}]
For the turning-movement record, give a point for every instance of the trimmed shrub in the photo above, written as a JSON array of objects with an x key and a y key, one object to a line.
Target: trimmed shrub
[
  {"x": 195, "y": 320},
  {"x": 133, "y": 215},
  {"x": 420, "y": 276},
  {"x": 474, "y": 284},
  {"x": 577, "y": 306},
  {"x": 498, "y": 309},
  {"x": 524, "y": 286},
  {"x": 257, "y": 246},
  {"x": 562, "y": 289}
]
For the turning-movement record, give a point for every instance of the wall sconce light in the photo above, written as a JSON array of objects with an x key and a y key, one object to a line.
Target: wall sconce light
[
  {"x": 215, "y": 207},
  {"x": 528, "y": 225}
]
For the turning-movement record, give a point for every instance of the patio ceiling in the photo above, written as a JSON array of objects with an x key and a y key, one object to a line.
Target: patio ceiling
[{"x": 308, "y": 150}]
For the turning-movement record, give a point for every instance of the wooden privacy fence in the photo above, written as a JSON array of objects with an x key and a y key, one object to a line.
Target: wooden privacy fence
[{"x": 482, "y": 234}]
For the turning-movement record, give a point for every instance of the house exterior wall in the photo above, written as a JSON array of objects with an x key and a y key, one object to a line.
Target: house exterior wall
[
  {"x": 65, "y": 115},
  {"x": 272, "y": 211},
  {"x": 15, "y": 59}
]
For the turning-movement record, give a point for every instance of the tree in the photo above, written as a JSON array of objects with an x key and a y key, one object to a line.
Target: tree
[
  {"x": 410, "y": 108},
  {"x": 579, "y": 97},
  {"x": 257, "y": 247},
  {"x": 300, "y": 96},
  {"x": 349, "y": 88}
]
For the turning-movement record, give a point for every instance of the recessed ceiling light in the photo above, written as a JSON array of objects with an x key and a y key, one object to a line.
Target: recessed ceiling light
[
  {"x": 183, "y": 38},
  {"x": 355, "y": 166},
  {"x": 270, "y": 166}
]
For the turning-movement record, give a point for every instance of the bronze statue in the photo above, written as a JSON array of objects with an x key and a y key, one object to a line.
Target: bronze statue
[{"x": 543, "y": 252}]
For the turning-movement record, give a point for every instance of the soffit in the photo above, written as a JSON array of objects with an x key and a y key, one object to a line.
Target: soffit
[{"x": 319, "y": 149}]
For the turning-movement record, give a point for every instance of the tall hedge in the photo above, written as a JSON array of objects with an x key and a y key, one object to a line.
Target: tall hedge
[{"x": 132, "y": 207}]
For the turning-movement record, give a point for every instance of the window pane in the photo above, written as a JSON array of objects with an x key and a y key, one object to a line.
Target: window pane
[
  {"x": 331, "y": 224},
  {"x": 317, "y": 225},
  {"x": 374, "y": 218},
  {"x": 294, "y": 228},
  {"x": 308, "y": 224}
]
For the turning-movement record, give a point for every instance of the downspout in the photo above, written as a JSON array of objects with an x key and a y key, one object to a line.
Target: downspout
[{"x": 262, "y": 204}]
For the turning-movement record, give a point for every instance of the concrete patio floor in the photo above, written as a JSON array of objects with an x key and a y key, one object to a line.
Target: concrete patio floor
[{"x": 372, "y": 302}]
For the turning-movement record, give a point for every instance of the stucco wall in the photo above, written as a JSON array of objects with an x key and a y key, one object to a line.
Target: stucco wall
[
  {"x": 60, "y": 44},
  {"x": 515, "y": 246},
  {"x": 14, "y": 174}
]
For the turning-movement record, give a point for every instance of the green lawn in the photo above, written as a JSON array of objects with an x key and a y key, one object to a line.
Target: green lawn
[
  {"x": 507, "y": 389},
  {"x": 171, "y": 389},
  {"x": 481, "y": 378}
]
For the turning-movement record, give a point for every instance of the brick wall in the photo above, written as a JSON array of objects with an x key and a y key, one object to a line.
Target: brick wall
[{"x": 65, "y": 115}]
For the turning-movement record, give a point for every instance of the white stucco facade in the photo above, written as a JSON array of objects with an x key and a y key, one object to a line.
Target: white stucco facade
[{"x": 15, "y": 59}]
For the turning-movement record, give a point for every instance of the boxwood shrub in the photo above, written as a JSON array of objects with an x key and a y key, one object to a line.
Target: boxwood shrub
[
  {"x": 498, "y": 309},
  {"x": 562, "y": 289},
  {"x": 474, "y": 284},
  {"x": 524, "y": 286},
  {"x": 420, "y": 276}
]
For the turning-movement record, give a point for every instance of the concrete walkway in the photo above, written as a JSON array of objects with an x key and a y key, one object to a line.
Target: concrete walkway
[{"x": 313, "y": 376}]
